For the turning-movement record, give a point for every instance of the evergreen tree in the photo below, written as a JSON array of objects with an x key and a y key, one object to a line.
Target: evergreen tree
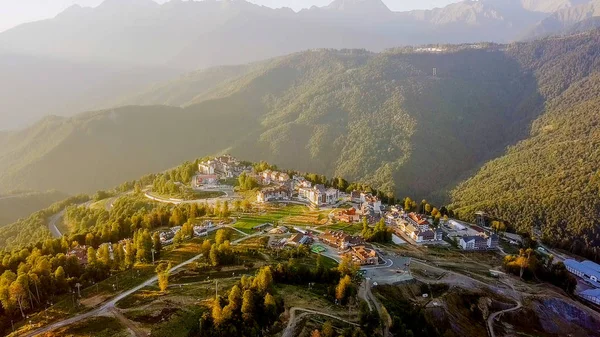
[
  {"x": 341, "y": 291},
  {"x": 156, "y": 244},
  {"x": 60, "y": 280},
  {"x": 92, "y": 258},
  {"x": 327, "y": 330},
  {"x": 119, "y": 257},
  {"x": 248, "y": 305},
  {"x": 214, "y": 255},
  {"x": 104, "y": 255},
  {"x": 264, "y": 279},
  {"x": 129, "y": 254},
  {"x": 235, "y": 298},
  {"x": 163, "y": 271},
  {"x": 270, "y": 306}
]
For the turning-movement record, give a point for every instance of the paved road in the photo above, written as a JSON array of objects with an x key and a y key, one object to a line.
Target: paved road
[
  {"x": 362, "y": 293},
  {"x": 237, "y": 230},
  {"x": 106, "y": 306},
  {"x": 179, "y": 201},
  {"x": 289, "y": 330},
  {"x": 52, "y": 221}
]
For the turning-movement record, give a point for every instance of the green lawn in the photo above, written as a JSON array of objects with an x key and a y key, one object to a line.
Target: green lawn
[
  {"x": 207, "y": 194},
  {"x": 96, "y": 326},
  {"x": 289, "y": 215},
  {"x": 351, "y": 229}
]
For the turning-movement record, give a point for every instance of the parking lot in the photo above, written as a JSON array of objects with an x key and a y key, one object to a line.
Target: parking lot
[{"x": 395, "y": 270}]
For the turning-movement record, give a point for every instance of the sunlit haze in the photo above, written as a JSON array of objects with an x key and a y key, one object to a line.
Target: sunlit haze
[{"x": 15, "y": 12}]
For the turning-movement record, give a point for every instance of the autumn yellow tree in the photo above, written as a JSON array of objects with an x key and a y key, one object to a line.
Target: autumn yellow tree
[
  {"x": 162, "y": 272},
  {"x": 347, "y": 266},
  {"x": 264, "y": 279},
  {"x": 341, "y": 291}
]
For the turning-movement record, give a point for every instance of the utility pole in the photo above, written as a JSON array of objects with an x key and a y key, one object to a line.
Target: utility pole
[
  {"x": 78, "y": 285},
  {"x": 153, "y": 251},
  {"x": 216, "y": 289}
]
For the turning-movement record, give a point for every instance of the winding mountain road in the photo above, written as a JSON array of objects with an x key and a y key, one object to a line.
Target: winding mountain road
[
  {"x": 492, "y": 317},
  {"x": 52, "y": 221}
]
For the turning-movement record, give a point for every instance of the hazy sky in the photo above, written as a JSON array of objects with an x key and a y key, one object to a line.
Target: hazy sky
[{"x": 14, "y": 12}]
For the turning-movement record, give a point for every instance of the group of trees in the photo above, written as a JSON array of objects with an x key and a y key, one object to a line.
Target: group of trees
[
  {"x": 219, "y": 253},
  {"x": 93, "y": 226},
  {"x": 172, "y": 181},
  {"x": 247, "y": 183},
  {"x": 379, "y": 233},
  {"x": 248, "y": 310},
  {"x": 293, "y": 272},
  {"x": 35, "y": 275},
  {"x": 529, "y": 264},
  {"x": 428, "y": 209}
]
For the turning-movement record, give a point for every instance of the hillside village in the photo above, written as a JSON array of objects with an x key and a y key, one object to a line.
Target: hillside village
[
  {"x": 350, "y": 207},
  {"x": 356, "y": 207},
  {"x": 299, "y": 215}
]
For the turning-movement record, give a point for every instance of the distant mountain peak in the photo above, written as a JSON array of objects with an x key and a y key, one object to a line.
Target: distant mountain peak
[
  {"x": 128, "y": 3},
  {"x": 359, "y": 6},
  {"x": 73, "y": 11}
]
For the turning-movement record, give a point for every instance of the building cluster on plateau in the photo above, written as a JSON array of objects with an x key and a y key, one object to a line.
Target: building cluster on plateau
[
  {"x": 211, "y": 171},
  {"x": 279, "y": 186}
]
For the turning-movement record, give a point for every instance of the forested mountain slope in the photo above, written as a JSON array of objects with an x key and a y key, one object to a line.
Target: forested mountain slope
[
  {"x": 20, "y": 205},
  {"x": 383, "y": 119},
  {"x": 551, "y": 180},
  {"x": 88, "y": 58},
  {"x": 186, "y": 88},
  {"x": 380, "y": 118}
]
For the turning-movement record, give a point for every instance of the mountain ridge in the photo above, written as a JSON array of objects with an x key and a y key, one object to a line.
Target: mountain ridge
[{"x": 182, "y": 36}]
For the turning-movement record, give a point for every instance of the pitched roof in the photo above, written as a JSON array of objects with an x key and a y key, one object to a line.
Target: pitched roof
[
  {"x": 591, "y": 292},
  {"x": 473, "y": 237}
]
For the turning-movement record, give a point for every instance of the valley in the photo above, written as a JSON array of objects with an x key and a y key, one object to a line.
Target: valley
[
  {"x": 382, "y": 119},
  {"x": 223, "y": 168}
]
